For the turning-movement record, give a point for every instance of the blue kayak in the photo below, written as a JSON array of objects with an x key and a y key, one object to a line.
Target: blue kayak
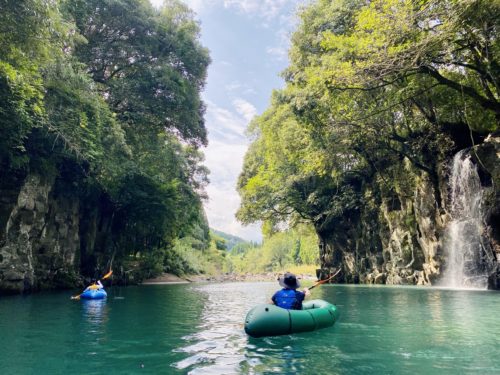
[{"x": 94, "y": 294}]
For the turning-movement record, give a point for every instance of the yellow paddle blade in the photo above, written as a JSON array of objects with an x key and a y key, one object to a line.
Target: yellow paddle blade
[{"x": 108, "y": 274}]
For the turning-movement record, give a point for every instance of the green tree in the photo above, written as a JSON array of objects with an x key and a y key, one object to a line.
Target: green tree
[
  {"x": 105, "y": 95},
  {"x": 373, "y": 90},
  {"x": 149, "y": 62}
]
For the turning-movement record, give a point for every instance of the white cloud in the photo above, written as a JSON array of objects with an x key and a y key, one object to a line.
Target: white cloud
[
  {"x": 241, "y": 88},
  {"x": 225, "y": 162},
  {"x": 222, "y": 206},
  {"x": 267, "y": 9},
  {"x": 279, "y": 52},
  {"x": 245, "y": 109},
  {"x": 223, "y": 124},
  {"x": 235, "y": 85},
  {"x": 224, "y": 157}
]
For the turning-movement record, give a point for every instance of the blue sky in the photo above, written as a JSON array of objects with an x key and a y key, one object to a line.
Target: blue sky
[{"x": 248, "y": 42}]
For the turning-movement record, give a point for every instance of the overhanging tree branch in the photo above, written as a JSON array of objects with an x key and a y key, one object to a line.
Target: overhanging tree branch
[{"x": 467, "y": 90}]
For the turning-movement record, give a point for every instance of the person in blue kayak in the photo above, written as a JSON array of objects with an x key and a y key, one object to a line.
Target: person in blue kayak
[
  {"x": 96, "y": 285},
  {"x": 289, "y": 297}
]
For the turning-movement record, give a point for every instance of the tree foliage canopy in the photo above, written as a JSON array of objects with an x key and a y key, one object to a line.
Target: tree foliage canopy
[
  {"x": 112, "y": 89},
  {"x": 294, "y": 249},
  {"x": 372, "y": 88}
]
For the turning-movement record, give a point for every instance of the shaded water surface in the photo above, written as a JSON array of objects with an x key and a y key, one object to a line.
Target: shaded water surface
[{"x": 198, "y": 329}]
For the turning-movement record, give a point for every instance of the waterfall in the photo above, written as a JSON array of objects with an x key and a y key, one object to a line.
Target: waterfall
[{"x": 466, "y": 264}]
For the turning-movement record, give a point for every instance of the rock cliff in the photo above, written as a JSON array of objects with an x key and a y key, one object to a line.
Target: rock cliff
[
  {"x": 398, "y": 238},
  {"x": 49, "y": 233},
  {"x": 39, "y": 234}
]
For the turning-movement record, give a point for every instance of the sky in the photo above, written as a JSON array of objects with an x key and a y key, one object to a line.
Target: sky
[{"x": 248, "y": 42}]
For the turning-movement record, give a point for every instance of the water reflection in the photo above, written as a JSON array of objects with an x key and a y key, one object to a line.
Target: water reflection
[
  {"x": 94, "y": 311},
  {"x": 197, "y": 329},
  {"x": 95, "y": 318},
  {"x": 403, "y": 330},
  {"x": 220, "y": 345}
]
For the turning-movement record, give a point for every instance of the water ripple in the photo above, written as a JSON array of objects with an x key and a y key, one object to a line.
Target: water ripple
[
  {"x": 220, "y": 345},
  {"x": 198, "y": 329}
]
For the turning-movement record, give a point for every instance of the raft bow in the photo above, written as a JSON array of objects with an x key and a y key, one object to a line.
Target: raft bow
[{"x": 271, "y": 320}]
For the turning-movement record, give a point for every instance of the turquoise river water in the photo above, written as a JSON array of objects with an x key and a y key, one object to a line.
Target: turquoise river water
[{"x": 198, "y": 329}]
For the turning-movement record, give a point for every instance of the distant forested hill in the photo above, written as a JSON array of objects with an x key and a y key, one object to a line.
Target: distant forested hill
[{"x": 231, "y": 240}]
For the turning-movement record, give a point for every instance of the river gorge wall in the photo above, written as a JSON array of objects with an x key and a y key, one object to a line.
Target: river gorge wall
[
  {"x": 54, "y": 229},
  {"x": 49, "y": 234},
  {"x": 402, "y": 237}
]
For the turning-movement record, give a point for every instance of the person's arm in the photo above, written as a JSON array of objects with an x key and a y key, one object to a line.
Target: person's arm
[
  {"x": 300, "y": 296},
  {"x": 306, "y": 292},
  {"x": 100, "y": 285}
]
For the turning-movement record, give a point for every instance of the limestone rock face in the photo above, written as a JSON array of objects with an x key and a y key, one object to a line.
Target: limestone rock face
[
  {"x": 392, "y": 243},
  {"x": 399, "y": 239},
  {"x": 487, "y": 158},
  {"x": 39, "y": 236}
]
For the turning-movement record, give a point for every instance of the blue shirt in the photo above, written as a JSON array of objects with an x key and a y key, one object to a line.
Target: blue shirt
[{"x": 289, "y": 299}]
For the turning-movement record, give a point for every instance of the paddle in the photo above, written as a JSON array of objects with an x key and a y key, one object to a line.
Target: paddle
[
  {"x": 108, "y": 274},
  {"x": 324, "y": 281},
  {"x": 103, "y": 278}
]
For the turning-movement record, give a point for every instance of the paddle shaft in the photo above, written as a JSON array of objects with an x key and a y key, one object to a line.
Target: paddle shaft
[{"x": 324, "y": 281}]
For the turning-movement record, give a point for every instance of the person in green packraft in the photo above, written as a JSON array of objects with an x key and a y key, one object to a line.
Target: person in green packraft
[{"x": 289, "y": 297}]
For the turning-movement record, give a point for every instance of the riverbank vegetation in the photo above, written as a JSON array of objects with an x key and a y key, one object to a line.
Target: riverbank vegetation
[
  {"x": 102, "y": 98},
  {"x": 294, "y": 249},
  {"x": 101, "y": 125},
  {"x": 378, "y": 95}
]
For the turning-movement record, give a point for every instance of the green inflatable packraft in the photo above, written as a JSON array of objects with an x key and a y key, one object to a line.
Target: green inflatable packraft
[{"x": 271, "y": 320}]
